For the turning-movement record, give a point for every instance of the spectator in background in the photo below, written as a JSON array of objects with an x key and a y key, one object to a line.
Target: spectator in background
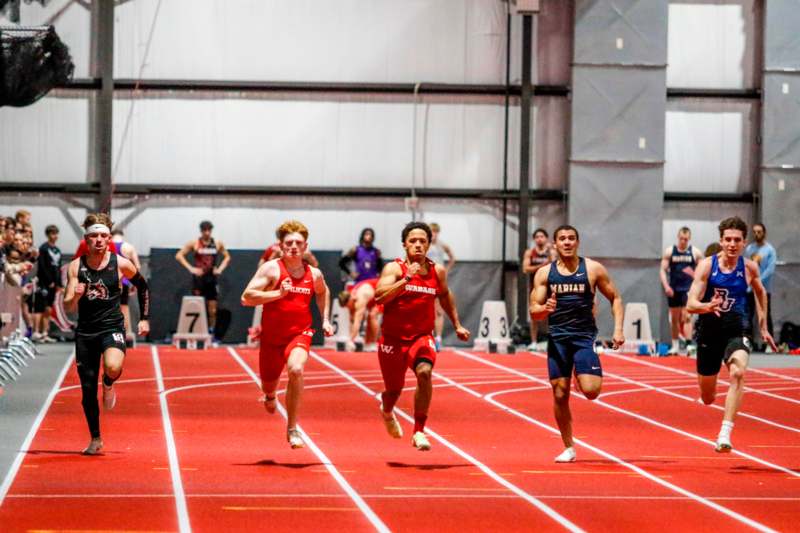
[
  {"x": 23, "y": 217},
  {"x": 712, "y": 249},
  {"x": 539, "y": 255},
  {"x": 273, "y": 251},
  {"x": 441, "y": 254},
  {"x": 8, "y": 234},
  {"x": 677, "y": 273},
  {"x": 365, "y": 258},
  {"x": 128, "y": 251},
  {"x": 48, "y": 274},
  {"x": 764, "y": 255}
]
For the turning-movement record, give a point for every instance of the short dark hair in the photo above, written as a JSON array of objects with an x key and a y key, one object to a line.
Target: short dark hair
[
  {"x": 542, "y": 231},
  {"x": 52, "y": 228},
  {"x": 566, "y": 227},
  {"x": 206, "y": 224},
  {"x": 685, "y": 229},
  {"x": 411, "y": 226},
  {"x": 762, "y": 226},
  {"x": 733, "y": 223},
  {"x": 116, "y": 231}
]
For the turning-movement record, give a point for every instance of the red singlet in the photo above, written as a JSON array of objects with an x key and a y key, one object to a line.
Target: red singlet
[
  {"x": 83, "y": 249},
  {"x": 412, "y": 313},
  {"x": 284, "y": 319}
]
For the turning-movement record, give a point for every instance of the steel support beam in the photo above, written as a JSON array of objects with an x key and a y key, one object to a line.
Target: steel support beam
[{"x": 526, "y": 104}]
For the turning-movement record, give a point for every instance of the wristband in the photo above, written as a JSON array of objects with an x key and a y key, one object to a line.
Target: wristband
[{"x": 407, "y": 278}]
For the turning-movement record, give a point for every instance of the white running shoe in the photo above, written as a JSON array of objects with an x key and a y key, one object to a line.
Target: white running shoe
[
  {"x": 269, "y": 403},
  {"x": 294, "y": 439},
  {"x": 94, "y": 447},
  {"x": 391, "y": 423},
  {"x": 567, "y": 456},
  {"x": 723, "y": 444},
  {"x": 109, "y": 397},
  {"x": 420, "y": 441},
  {"x": 372, "y": 347}
]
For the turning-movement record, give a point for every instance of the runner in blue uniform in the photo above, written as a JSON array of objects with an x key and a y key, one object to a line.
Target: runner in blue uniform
[
  {"x": 563, "y": 293},
  {"x": 719, "y": 296},
  {"x": 677, "y": 272}
]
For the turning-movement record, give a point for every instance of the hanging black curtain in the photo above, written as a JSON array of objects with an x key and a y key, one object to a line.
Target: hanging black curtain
[{"x": 32, "y": 62}]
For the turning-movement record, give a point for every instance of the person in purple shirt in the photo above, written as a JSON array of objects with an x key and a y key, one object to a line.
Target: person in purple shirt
[{"x": 364, "y": 261}]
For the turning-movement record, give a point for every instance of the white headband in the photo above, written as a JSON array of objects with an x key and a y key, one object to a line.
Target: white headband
[{"x": 97, "y": 228}]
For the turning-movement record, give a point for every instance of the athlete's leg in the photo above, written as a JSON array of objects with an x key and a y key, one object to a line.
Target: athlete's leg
[
  {"x": 87, "y": 359},
  {"x": 294, "y": 392},
  {"x": 271, "y": 361},
  {"x": 737, "y": 365},
  {"x": 676, "y": 325},
  {"x": 688, "y": 325},
  {"x": 423, "y": 394},
  {"x": 392, "y": 361},
  {"x": 561, "y": 409},
  {"x": 371, "y": 335},
  {"x": 212, "y": 313},
  {"x": 588, "y": 371},
  {"x": 112, "y": 365},
  {"x": 708, "y": 388},
  {"x": 438, "y": 324},
  {"x": 710, "y": 353}
]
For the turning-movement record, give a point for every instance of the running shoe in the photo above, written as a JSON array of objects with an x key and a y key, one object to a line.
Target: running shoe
[
  {"x": 269, "y": 403},
  {"x": 94, "y": 447},
  {"x": 420, "y": 441},
  {"x": 392, "y": 425},
  {"x": 294, "y": 439},
  {"x": 723, "y": 444},
  {"x": 567, "y": 456},
  {"x": 109, "y": 397}
]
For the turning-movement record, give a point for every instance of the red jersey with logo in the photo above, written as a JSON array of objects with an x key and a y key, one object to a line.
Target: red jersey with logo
[
  {"x": 284, "y": 319},
  {"x": 205, "y": 255},
  {"x": 372, "y": 282},
  {"x": 412, "y": 313},
  {"x": 83, "y": 249}
]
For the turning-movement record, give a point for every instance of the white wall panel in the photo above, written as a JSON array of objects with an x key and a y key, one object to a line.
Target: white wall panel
[
  {"x": 322, "y": 143},
  {"x": 46, "y": 141},
  {"x": 702, "y": 219},
  {"x": 472, "y": 229},
  {"x": 457, "y": 41},
  {"x": 710, "y": 146},
  {"x": 713, "y": 44},
  {"x": 73, "y": 25}
]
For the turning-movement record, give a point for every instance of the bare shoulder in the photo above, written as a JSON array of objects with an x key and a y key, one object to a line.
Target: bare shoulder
[
  {"x": 595, "y": 267},
  {"x": 542, "y": 274},
  {"x": 751, "y": 265},
  {"x": 391, "y": 268},
  {"x": 316, "y": 273}
]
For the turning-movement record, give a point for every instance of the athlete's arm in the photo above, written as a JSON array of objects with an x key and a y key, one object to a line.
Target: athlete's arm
[
  {"x": 391, "y": 283},
  {"x": 448, "y": 303},
  {"x": 129, "y": 270},
  {"x": 540, "y": 305},
  {"x": 527, "y": 267},
  {"x": 698, "y": 289},
  {"x": 760, "y": 297},
  {"x": 698, "y": 254},
  {"x": 74, "y": 290},
  {"x": 257, "y": 291},
  {"x": 345, "y": 260},
  {"x": 181, "y": 258},
  {"x": 226, "y": 258},
  {"x": 323, "y": 297},
  {"x": 129, "y": 253},
  {"x": 451, "y": 259},
  {"x": 662, "y": 272},
  {"x": 606, "y": 286}
]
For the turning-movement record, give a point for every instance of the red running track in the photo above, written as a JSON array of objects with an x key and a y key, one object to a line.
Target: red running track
[{"x": 643, "y": 464}]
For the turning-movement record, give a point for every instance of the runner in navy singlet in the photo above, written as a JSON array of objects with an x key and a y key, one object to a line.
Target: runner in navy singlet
[
  {"x": 563, "y": 292},
  {"x": 677, "y": 272},
  {"x": 719, "y": 295}
]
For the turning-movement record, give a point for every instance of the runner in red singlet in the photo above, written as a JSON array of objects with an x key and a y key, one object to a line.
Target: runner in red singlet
[
  {"x": 360, "y": 301},
  {"x": 408, "y": 289},
  {"x": 285, "y": 288}
]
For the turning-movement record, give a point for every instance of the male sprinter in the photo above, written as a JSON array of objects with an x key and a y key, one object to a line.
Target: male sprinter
[
  {"x": 205, "y": 272},
  {"x": 360, "y": 301},
  {"x": 536, "y": 257},
  {"x": 285, "y": 287},
  {"x": 677, "y": 272},
  {"x": 563, "y": 292},
  {"x": 94, "y": 284},
  {"x": 408, "y": 289},
  {"x": 719, "y": 296}
]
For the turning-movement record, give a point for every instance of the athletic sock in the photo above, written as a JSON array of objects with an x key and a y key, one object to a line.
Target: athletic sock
[
  {"x": 727, "y": 427},
  {"x": 675, "y": 345},
  {"x": 419, "y": 422}
]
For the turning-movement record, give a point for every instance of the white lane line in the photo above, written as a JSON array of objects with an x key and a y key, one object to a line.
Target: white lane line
[
  {"x": 26, "y": 444},
  {"x": 184, "y": 525},
  {"x": 635, "y": 415},
  {"x": 549, "y": 511},
  {"x": 399, "y": 496},
  {"x": 685, "y": 373},
  {"x": 773, "y": 374},
  {"x": 674, "y": 488},
  {"x": 373, "y": 518}
]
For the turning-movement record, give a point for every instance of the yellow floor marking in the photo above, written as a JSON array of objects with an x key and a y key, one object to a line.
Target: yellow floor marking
[
  {"x": 47, "y": 429},
  {"x": 446, "y": 488},
  {"x": 59, "y": 402},
  {"x": 347, "y": 509},
  {"x": 30, "y": 466}
]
